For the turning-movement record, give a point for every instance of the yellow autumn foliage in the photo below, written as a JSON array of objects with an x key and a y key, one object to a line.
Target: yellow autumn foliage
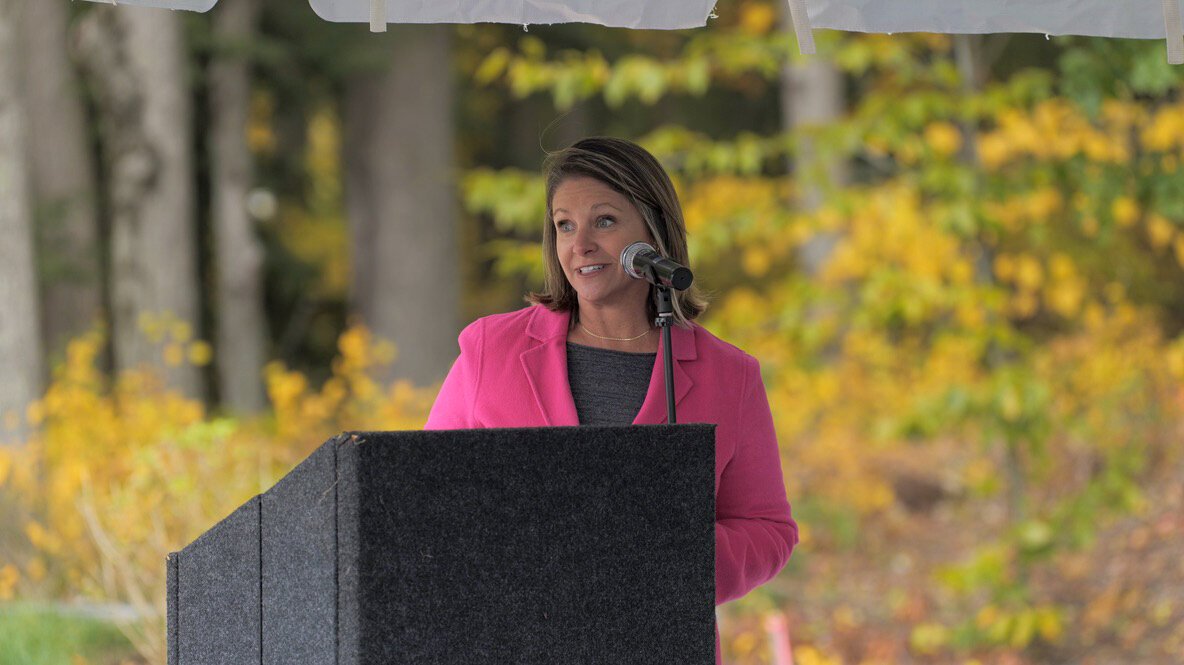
[
  {"x": 757, "y": 18},
  {"x": 943, "y": 138},
  {"x": 314, "y": 231},
  {"x": 1056, "y": 129},
  {"x": 913, "y": 328}
]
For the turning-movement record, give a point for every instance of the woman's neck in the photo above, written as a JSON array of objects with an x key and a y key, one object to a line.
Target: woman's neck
[{"x": 612, "y": 329}]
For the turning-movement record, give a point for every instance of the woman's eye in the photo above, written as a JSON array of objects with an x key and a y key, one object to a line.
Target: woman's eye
[
  {"x": 605, "y": 222},
  {"x": 563, "y": 226}
]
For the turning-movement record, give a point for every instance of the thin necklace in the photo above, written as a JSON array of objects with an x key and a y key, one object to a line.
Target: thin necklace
[{"x": 615, "y": 339}]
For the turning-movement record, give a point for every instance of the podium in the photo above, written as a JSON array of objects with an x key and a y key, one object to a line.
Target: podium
[{"x": 542, "y": 545}]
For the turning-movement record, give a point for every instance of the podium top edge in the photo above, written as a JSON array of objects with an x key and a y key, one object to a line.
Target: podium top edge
[{"x": 356, "y": 435}]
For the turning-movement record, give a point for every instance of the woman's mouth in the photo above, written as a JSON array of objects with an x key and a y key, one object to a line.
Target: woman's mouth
[{"x": 587, "y": 270}]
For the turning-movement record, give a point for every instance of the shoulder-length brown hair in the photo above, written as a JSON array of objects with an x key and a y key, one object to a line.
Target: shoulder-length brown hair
[{"x": 633, "y": 172}]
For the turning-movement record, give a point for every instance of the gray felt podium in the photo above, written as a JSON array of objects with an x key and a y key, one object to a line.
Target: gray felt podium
[{"x": 550, "y": 545}]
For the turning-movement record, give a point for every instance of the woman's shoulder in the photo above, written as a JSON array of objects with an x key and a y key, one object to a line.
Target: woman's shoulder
[
  {"x": 511, "y": 325},
  {"x": 707, "y": 344}
]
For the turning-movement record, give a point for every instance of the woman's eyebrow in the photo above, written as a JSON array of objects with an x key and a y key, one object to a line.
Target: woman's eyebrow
[{"x": 595, "y": 206}]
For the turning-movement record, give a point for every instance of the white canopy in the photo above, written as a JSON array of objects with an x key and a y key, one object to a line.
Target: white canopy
[
  {"x": 651, "y": 14},
  {"x": 200, "y": 6},
  {"x": 1142, "y": 19},
  {"x": 1146, "y": 19}
]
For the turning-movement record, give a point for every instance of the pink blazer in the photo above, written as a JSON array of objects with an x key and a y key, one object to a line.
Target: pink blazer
[{"x": 512, "y": 372}]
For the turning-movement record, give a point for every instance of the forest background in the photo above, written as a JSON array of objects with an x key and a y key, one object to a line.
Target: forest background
[{"x": 960, "y": 261}]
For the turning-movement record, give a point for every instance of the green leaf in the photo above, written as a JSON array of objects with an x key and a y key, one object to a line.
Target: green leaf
[{"x": 1151, "y": 74}]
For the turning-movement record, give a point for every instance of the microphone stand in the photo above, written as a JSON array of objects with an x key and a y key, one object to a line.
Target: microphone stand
[{"x": 664, "y": 322}]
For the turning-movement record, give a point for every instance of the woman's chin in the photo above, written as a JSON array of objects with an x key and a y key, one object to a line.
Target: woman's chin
[{"x": 596, "y": 299}]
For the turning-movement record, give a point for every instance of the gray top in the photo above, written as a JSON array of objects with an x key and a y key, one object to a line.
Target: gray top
[{"x": 608, "y": 386}]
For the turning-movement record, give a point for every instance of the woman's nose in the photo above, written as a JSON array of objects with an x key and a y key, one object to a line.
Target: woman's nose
[{"x": 584, "y": 244}]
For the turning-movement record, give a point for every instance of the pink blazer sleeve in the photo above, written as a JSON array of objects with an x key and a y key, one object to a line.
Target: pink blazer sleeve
[
  {"x": 453, "y": 408},
  {"x": 754, "y": 532}
]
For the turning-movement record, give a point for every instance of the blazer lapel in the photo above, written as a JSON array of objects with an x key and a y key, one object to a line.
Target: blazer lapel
[
  {"x": 545, "y": 365},
  {"x": 653, "y": 410}
]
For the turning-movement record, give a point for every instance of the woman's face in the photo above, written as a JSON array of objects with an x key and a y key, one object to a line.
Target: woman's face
[{"x": 593, "y": 224}]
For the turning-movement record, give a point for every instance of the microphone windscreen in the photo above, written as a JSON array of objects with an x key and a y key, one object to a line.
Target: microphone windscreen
[{"x": 629, "y": 256}]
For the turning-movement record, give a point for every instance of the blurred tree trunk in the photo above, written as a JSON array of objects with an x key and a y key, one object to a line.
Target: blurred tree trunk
[
  {"x": 61, "y": 178},
  {"x": 812, "y": 95},
  {"x": 135, "y": 58},
  {"x": 401, "y": 199},
  {"x": 20, "y": 339},
  {"x": 238, "y": 254}
]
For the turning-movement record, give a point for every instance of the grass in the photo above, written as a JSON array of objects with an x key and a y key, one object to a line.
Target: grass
[{"x": 39, "y": 635}]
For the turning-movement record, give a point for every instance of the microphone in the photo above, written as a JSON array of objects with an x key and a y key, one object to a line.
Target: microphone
[{"x": 642, "y": 261}]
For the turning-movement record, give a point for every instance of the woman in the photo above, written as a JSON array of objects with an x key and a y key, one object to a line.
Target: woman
[{"x": 586, "y": 352}]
